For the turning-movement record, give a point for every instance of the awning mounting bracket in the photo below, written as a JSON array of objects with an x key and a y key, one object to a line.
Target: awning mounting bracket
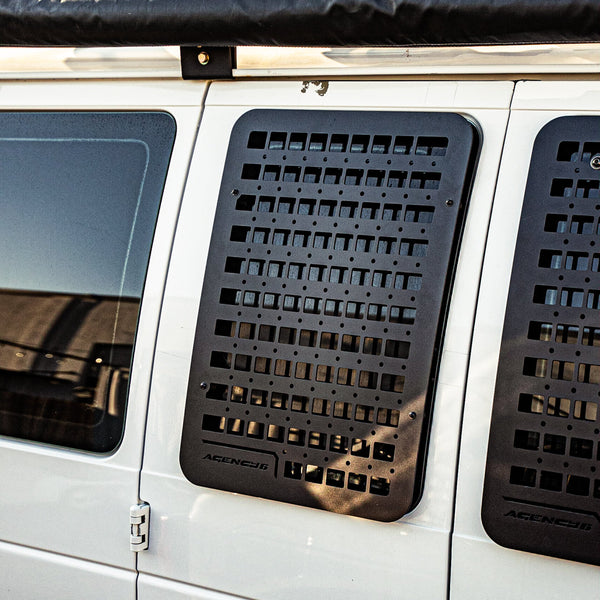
[{"x": 208, "y": 62}]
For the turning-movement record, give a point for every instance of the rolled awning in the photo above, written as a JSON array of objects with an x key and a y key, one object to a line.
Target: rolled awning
[{"x": 296, "y": 22}]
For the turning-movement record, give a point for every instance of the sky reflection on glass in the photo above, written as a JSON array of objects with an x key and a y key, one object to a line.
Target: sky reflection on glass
[{"x": 71, "y": 219}]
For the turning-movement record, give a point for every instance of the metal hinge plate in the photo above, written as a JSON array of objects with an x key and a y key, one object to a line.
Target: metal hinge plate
[{"x": 139, "y": 521}]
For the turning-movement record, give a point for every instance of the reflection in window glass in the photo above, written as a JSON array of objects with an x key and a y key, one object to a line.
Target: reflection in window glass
[{"x": 79, "y": 197}]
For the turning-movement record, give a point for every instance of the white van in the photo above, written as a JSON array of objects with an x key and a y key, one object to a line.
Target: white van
[{"x": 299, "y": 322}]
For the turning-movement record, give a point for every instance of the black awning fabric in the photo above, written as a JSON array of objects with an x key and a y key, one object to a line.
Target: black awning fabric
[{"x": 296, "y": 22}]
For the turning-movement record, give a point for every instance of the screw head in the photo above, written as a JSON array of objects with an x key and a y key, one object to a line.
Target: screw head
[
  {"x": 203, "y": 58},
  {"x": 203, "y": 385},
  {"x": 412, "y": 415},
  {"x": 449, "y": 202},
  {"x": 595, "y": 162}
]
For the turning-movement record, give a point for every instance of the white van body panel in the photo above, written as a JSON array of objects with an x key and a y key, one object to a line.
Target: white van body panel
[
  {"x": 158, "y": 588},
  {"x": 70, "y": 502},
  {"x": 263, "y": 549},
  {"x": 480, "y": 567},
  {"x": 27, "y": 573},
  {"x": 64, "y": 529}
]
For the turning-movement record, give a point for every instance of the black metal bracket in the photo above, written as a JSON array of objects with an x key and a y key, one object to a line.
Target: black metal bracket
[{"x": 208, "y": 62}]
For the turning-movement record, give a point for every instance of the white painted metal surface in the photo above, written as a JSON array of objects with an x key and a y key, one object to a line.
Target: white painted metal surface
[
  {"x": 73, "y": 503},
  {"x": 29, "y": 574},
  {"x": 102, "y": 95},
  {"x": 157, "y": 588},
  {"x": 480, "y": 568},
  {"x": 56, "y": 504},
  {"x": 269, "y": 550}
]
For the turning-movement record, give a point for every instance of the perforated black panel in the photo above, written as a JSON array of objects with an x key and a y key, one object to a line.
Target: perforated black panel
[
  {"x": 542, "y": 487},
  {"x": 321, "y": 311}
]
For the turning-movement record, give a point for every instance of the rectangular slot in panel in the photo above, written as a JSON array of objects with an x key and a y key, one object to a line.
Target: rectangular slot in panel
[
  {"x": 543, "y": 463},
  {"x": 325, "y": 292}
]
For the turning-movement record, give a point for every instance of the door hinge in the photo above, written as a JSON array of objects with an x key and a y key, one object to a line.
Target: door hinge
[{"x": 139, "y": 522}]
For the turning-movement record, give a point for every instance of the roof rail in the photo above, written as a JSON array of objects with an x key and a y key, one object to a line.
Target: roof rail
[{"x": 163, "y": 62}]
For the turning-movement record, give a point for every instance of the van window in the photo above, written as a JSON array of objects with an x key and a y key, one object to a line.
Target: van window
[{"x": 79, "y": 197}]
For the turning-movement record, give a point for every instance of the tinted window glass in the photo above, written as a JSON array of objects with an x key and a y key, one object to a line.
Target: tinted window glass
[{"x": 79, "y": 197}]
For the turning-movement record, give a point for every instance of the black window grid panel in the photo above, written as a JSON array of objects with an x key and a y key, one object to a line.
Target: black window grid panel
[
  {"x": 314, "y": 354},
  {"x": 542, "y": 486}
]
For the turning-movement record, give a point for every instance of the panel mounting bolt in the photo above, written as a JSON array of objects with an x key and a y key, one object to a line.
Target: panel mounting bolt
[
  {"x": 449, "y": 202},
  {"x": 595, "y": 162},
  {"x": 203, "y": 385},
  {"x": 203, "y": 58}
]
